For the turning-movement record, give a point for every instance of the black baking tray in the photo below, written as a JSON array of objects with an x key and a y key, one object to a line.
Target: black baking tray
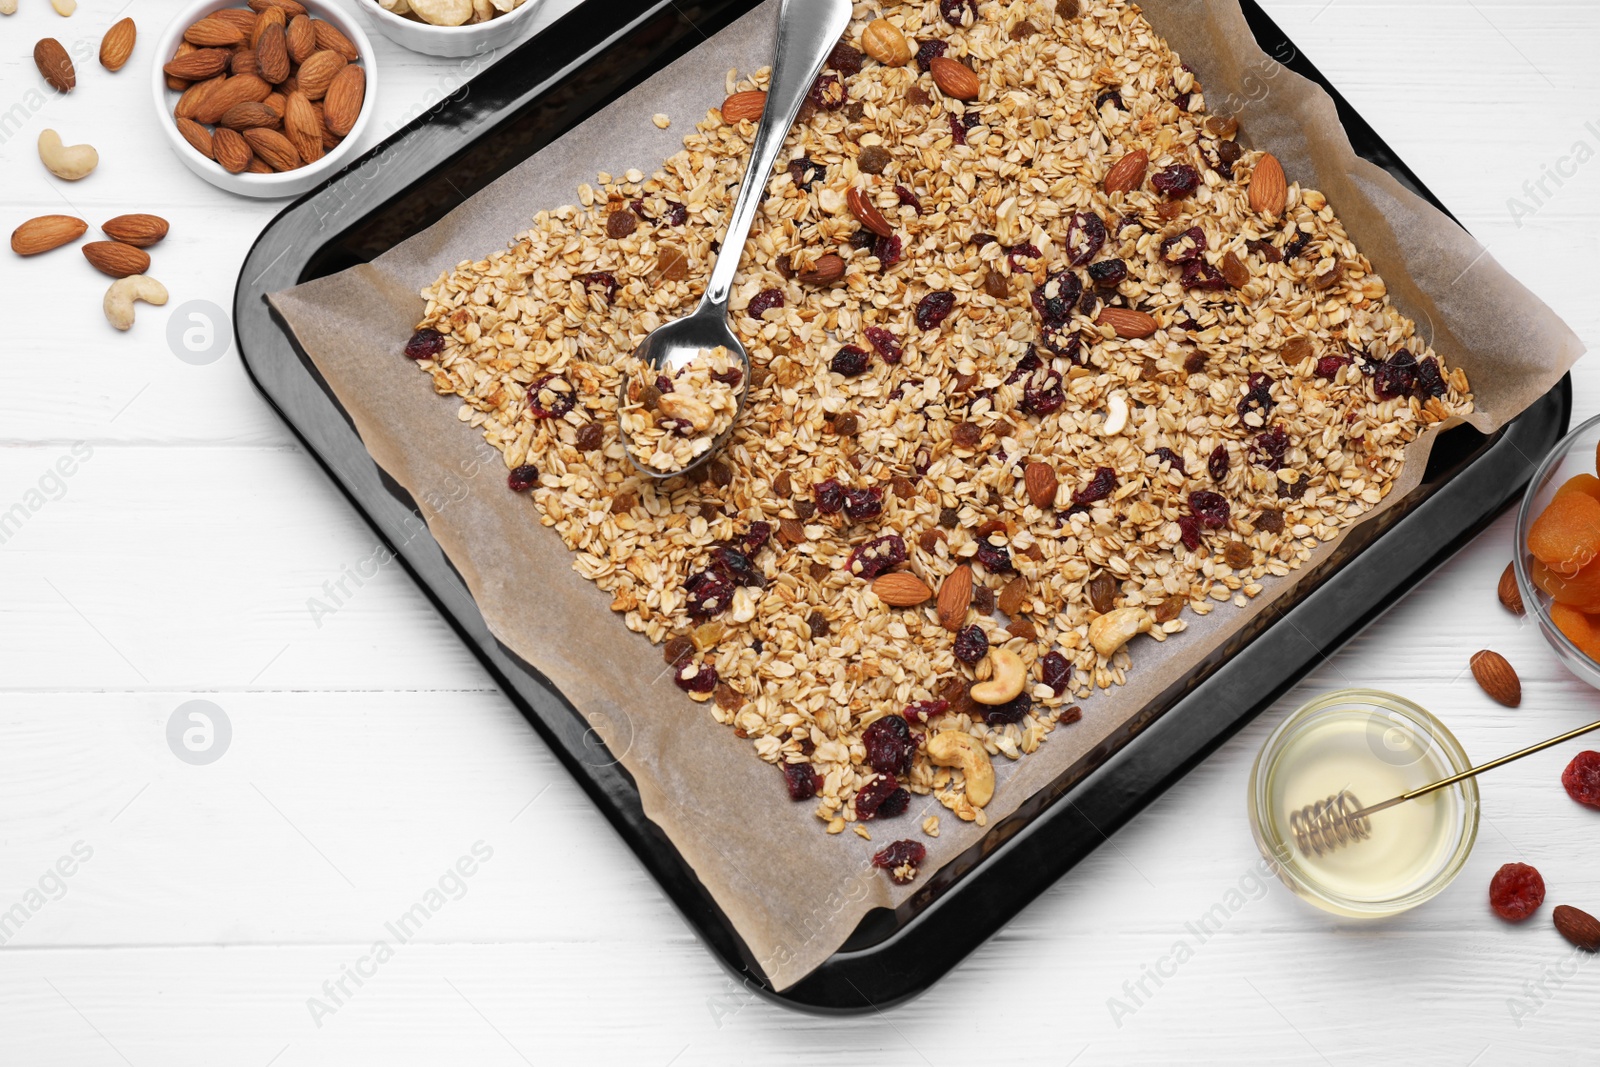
[{"x": 544, "y": 88}]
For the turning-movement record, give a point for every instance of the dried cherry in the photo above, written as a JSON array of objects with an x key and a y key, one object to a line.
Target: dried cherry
[
  {"x": 899, "y": 855},
  {"x": 1086, "y": 233},
  {"x": 890, "y": 746},
  {"x": 1516, "y": 891},
  {"x": 850, "y": 361},
  {"x": 934, "y": 309},
  {"x": 523, "y": 478},
  {"x": 876, "y": 556},
  {"x": 1581, "y": 779},
  {"x": 971, "y": 645},
  {"x": 425, "y": 344}
]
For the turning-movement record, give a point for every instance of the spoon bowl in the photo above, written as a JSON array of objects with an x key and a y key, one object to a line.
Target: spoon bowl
[{"x": 670, "y": 348}]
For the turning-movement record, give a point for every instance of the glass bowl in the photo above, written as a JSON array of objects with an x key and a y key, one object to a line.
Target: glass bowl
[
  {"x": 1573, "y": 454},
  {"x": 1376, "y": 745}
]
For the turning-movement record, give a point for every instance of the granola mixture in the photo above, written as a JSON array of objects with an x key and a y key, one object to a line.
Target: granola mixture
[
  {"x": 1043, "y": 359},
  {"x": 670, "y": 421}
]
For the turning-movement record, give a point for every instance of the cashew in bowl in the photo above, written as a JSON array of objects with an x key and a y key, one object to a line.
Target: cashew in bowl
[
  {"x": 124, "y": 291},
  {"x": 69, "y": 162},
  {"x": 952, "y": 748},
  {"x": 1112, "y": 630},
  {"x": 1007, "y": 674}
]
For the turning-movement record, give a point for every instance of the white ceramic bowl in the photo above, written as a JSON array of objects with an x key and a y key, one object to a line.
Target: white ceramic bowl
[
  {"x": 285, "y": 183},
  {"x": 481, "y": 39}
]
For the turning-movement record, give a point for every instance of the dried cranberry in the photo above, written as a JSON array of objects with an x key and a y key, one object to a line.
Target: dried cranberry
[
  {"x": 1217, "y": 465},
  {"x": 802, "y": 781},
  {"x": 523, "y": 478},
  {"x": 703, "y": 679},
  {"x": 805, "y": 170},
  {"x": 1108, "y": 273},
  {"x": 955, "y": 12},
  {"x": 971, "y": 645},
  {"x": 888, "y": 250},
  {"x": 1201, "y": 275},
  {"x": 1168, "y": 456},
  {"x": 1014, "y": 710},
  {"x": 828, "y": 93},
  {"x": 934, "y": 309},
  {"x": 1189, "y": 531},
  {"x": 958, "y": 130},
  {"x": 1020, "y": 255},
  {"x": 908, "y": 198},
  {"x": 1086, "y": 233},
  {"x": 863, "y": 504},
  {"x": 1176, "y": 182},
  {"x": 884, "y": 343},
  {"x": 931, "y": 49},
  {"x": 874, "y": 798},
  {"x": 677, "y": 427},
  {"x": 1027, "y": 365},
  {"x": 1112, "y": 97},
  {"x": 1042, "y": 392},
  {"x": 1210, "y": 508},
  {"x": 996, "y": 559},
  {"x": 551, "y": 397},
  {"x": 425, "y": 344},
  {"x": 1057, "y": 297},
  {"x": 845, "y": 59},
  {"x": 1581, "y": 779},
  {"x": 764, "y": 301},
  {"x": 923, "y": 710},
  {"x": 677, "y": 214},
  {"x": 1257, "y": 396},
  {"x": 663, "y": 384},
  {"x": 1297, "y": 245},
  {"x": 709, "y": 593},
  {"x": 733, "y": 375},
  {"x": 1055, "y": 672},
  {"x": 1516, "y": 891},
  {"x": 1062, "y": 340},
  {"x": 1270, "y": 448},
  {"x": 1430, "y": 382},
  {"x": 1185, "y": 247},
  {"x": 606, "y": 282},
  {"x": 876, "y": 556},
  {"x": 890, "y": 746},
  {"x": 829, "y": 495},
  {"x": 899, "y": 855},
  {"x": 1329, "y": 366},
  {"x": 756, "y": 538},
  {"x": 1396, "y": 376},
  {"x": 734, "y": 566},
  {"x": 1099, "y": 487},
  {"x": 850, "y": 361}
]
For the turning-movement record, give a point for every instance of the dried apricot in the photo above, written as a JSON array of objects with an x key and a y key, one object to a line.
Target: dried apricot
[
  {"x": 1587, "y": 484},
  {"x": 1566, "y": 536},
  {"x": 1582, "y": 630},
  {"x": 1580, "y": 590}
]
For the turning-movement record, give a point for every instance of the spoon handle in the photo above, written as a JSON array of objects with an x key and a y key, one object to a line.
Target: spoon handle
[{"x": 807, "y": 32}]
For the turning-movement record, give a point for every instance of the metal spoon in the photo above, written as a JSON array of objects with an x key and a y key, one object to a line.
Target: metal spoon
[{"x": 807, "y": 32}]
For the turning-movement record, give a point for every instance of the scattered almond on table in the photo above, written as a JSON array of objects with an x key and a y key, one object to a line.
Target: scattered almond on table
[{"x": 1496, "y": 677}]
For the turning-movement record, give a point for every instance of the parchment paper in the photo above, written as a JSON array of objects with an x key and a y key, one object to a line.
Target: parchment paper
[{"x": 793, "y": 893}]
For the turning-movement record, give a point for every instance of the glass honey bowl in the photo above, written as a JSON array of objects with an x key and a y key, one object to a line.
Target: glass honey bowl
[{"x": 1375, "y": 745}]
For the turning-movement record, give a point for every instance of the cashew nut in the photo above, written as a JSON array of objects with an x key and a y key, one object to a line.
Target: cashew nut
[
  {"x": 697, "y": 412},
  {"x": 1007, "y": 673},
  {"x": 124, "y": 291},
  {"x": 1116, "y": 415},
  {"x": 1112, "y": 630},
  {"x": 952, "y": 748},
  {"x": 69, "y": 162},
  {"x": 64, "y": 8},
  {"x": 8, "y": 7}
]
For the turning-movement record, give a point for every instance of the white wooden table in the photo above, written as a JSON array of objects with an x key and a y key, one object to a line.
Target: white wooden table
[{"x": 208, "y": 905}]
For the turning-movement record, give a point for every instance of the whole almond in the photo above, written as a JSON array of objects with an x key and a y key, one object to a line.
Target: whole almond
[
  {"x": 1497, "y": 678},
  {"x": 116, "y": 259},
  {"x": 55, "y": 66},
  {"x": 900, "y": 589},
  {"x": 1510, "y": 596},
  {"x": 1127, "y": 173},
  {"x": 867, "y": 212},
  {"x": 301, "y": 38},
  {"x": 244, "y": 62},
  {"x": 341, "y": 105},
  {"x": 303, "y": 126},
  {"x": 139, "y": 230},
  {"x": 258, "y": 166},
  {"x": 232, "y": 151},
  {"x": 198, "y": 136},
  {"x": 744, "y": 107},
  {"x": 316, "y": 73},
  {"x": 273, "y": 148},
  {"x": 1269, "y": 188},
  {"x": 265, "y": 21},
  {"x": 242, "y": 89},
  {"x": 1578, "y": 927},
  {"x": 199, "y": 64},
  {"x": 883, "y": 41},
  {"x": 276, "y": 101},
  {"x": 1014, "y": 596},
  {"x": 329, "y": 38},
  {"x": 828, "y": 268},
  {"x": 272, "y": 55},
  {"x": 954, "y": 78},
  {"x": 289, "y": 7},
  {"x": 117, "y": 45},
  {"x": 1041, "y": 482},
  {"x": 46, "y": 232},
  {"x": 955, "y": 597},
  {"x": 178, "y": 85},
  {"x": 213, "y": 33},
  {"x": 189, "y": 103},
  {"x": 237, "y": 16},
  {"x": 1126, "y": 322},
  {"x": 248, "y": 116}
]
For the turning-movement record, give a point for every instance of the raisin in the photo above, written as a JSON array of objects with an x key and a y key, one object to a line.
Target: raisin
[
  {"x": 1057, "y": 297},
  {"x": 1516, "y": 891},
  {"x": 1112, "y": 97},
  {"x": 828, "y": 92},
  {"x": 1108, "y": 273},
  {"x": 899, "y": 856},
  {"x": 1265, "y": 249},
  {"x": 890, "y": 746},
  {"x": 1103, "y": 592},
  {"x": 1270, "y": 520},
  {"x": 805, "y": 170},
  {"x": 828, "y": 495},
  {"x": 621, "y": 223},
  {"x": 1237, "y": 555},
  {"x": 917, "y": 96},
  {"x": 928, "y": 50},
  {"x": 863, "y": 504},
  {"x": 694, "y": 677},
  {"x": 1169, "y": 457},
  {"x": 591, "y": 436},
  {"x": 732, "y": 376},
  {"x": 884, "y": 343},
  {"x": 1229, "y": 153},
  {"x": 817, "y": 623},
  {"x": 523, "y": 478},
  {"x": 876, "y": 556},
  {"x": 845, "y": 59},
  {"x": 920, "y": 711},
  {"x": 948, "y": 517},
  {"x": 873, "y": 159},
  {"x": 878, "y": 798},
  {"x": 1176, "y": 182},
  {"x": 850, "y": 361},
  {"x": 966, "y": 435},
  {"x": 1099, "y": 487},
  {"x": 959, "y": 12},
  {"x": 1189, "y": 531},
  {"x": 802, "y": 781},
  {"x": 888, "y": 250},
  {"x": 1169, "y": 608},
  {"x": 1581, "y": 779},
  {"x": 908, "y": 198},
  {"x": 551, "y": 397},
  {"x": 934, "y": 309},
  {"x": 425, "y": 344},
  {"x": 996, "y": 285},
  {"x": 971, "y": 645},
  {"x": 1210, "y": 508},
  {"x": 1068, "y": 716},
  {"x": 1055, "y": 672},
  {"x": 983, "y": 600},
  {"x": 846, "y": 425},
  {"x": 1086, "y": 233}
]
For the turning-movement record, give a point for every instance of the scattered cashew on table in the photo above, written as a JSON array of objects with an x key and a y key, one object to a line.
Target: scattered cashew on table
[
  {"x": 68, "y": 162},
  {"x": 124, "y": 291}
]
